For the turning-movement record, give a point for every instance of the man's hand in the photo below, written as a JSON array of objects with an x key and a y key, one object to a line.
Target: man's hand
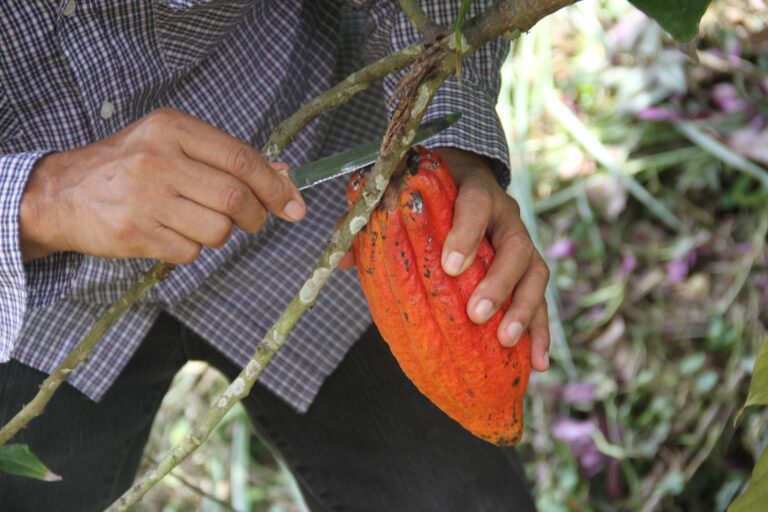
[
  {"x": 161, "y": 188},
  {"x": 483, "y": 207}
]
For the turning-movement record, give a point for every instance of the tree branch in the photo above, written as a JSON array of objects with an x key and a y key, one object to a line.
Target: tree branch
[
  {"x": 396, "y": 142},
  {"x": 435, "y": 65},
  {"x": 80, "y": 353},
  {"x": 418, "y": 17},
  {"x": 278, "y": 141}
]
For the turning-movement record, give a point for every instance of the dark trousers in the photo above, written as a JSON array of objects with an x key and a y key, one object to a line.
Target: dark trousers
[{"x": 370, "y": 441}]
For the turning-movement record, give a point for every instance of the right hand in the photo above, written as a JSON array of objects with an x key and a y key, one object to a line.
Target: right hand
[{"x": 160, "y": 188}]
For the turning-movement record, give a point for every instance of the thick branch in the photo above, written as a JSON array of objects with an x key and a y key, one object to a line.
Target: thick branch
[
  {"x": 80, "y": 353},
  {"x": 396, "y": 142},
  {"x": 508, "y": 15}
]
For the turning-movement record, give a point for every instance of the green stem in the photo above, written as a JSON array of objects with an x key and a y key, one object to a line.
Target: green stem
[
  {"x": 397, "y": 141},
  {"x": 80, "y": 353}
]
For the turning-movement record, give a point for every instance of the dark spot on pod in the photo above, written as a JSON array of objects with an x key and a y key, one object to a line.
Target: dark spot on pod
[
  {"x": 414, "y": 158},
  {"x": 416, "y": 204},
  {"x": 516, "y": 382},
  {"x": 402, "y": 254},
  {"x": 427, "y": 273},
  {"x": 369, "y": 271},
  {"x": 397, "y": 243},
  {"x": 405, "y": 315},
  {"x": 407, "y": 264}
]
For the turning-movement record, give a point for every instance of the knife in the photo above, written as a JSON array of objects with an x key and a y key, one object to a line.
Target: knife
[{"x": 358, "y": 157}]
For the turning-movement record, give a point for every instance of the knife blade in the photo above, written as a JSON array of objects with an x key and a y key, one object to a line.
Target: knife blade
[{"x": 333, "y": 166}]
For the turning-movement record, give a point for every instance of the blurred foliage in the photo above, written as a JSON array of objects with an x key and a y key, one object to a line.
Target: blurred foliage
[
  {"x": 653, "y": 213},
  {"x": 642, "y": 177}
]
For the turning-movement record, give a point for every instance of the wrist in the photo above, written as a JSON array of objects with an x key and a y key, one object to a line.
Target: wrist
[{"x": 38, "y": 229}]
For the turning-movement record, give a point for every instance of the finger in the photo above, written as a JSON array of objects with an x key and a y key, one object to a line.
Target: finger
[
  {"x": 472, "y": 212},
  {"x": 222, "y": 193},
  {"x": 514, "y": 254},
  {"x": 197, "y": 223},
  {"x": 168, "y": 245},
  {"x": 347, "y": 261},
  {"x": 526, "y": 299},
  {"x": 538, "y": 330},
  {"x": 207, "y": 144}
]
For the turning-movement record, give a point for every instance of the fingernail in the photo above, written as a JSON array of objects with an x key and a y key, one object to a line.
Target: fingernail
[
  {"x": 281, "y": 168},
  {"x": 483, "y": 309},
  {"x": 514, "y": 330},
  {"x": 294, "y": 210},
  {"x": 453, "y": 263}
]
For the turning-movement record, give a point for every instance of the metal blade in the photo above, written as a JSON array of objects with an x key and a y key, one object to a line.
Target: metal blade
[{"x": 356, "y": 158}]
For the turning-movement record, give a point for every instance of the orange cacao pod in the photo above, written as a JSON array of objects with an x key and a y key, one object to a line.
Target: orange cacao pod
[{"x": 421, "y": 311}]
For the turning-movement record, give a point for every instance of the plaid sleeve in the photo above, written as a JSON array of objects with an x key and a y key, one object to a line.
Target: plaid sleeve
[
  {"x": 479, "y": 130},
  {"x": 36, "y": 283}
]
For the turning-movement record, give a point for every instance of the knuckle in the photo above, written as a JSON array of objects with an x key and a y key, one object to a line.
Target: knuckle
[
  {"x": 542, "y": 269},
  {"x": 477, "y": 196},
  {"x": 234, "y": 199},
  {"x": 220, "y": 233},
  {"x": 159, "y": 121},
  {"x": 145, "y": 160},
  {"x": 187, "y": 254},
  {"x": 241, "y": 161},
  {"x": 512, "y": 204},
  {"x": 520, "y": 245},
  {"x": 125, "y": 229}
]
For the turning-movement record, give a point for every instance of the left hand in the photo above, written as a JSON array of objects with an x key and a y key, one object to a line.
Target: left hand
[{"x": 482, "y": 206}]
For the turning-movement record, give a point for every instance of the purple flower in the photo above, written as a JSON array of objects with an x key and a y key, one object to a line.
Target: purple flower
[
  {"x": 579, "y": 392},
  {"x": 578, "y": 436},
  {"x": 677, "y": 271},
  {"x": 628, "y": 264},
  {"x": 561, "y": 248},
  {"x": 657, "y": 114},
  {"x": 726, "y": 97}
]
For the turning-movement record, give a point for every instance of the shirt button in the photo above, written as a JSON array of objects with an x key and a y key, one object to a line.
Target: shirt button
[
  {"x": 69, "y": 8},
  {"x": 107, "y": 109}
]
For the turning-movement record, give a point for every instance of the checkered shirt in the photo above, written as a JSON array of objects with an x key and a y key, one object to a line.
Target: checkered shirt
[{"x": 74, "y": 71}]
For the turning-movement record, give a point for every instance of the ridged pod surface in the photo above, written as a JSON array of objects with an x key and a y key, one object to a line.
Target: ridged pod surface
[{"x": 421, "y": 311}]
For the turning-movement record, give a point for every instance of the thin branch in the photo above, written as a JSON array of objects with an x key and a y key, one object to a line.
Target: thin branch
[
  {"x": 80, "y": 353},
  {"x": 337, "y": 96},
  {"x": 396, "y": 142},
  {"x": 280, "y": 138},
  {"x": 418, "y": 17}
]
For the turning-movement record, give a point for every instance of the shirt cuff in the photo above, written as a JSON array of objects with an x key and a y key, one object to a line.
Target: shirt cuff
[{"x": 22, "y": 285}]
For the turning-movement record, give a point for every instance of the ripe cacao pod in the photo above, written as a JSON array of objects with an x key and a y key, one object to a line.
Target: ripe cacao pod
[{"x": 421, "y": 311}]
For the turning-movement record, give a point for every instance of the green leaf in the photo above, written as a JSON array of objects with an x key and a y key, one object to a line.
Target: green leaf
[
  {"x": 678, "y": 17},
  {"x": 758, "y": 386},
  {"x": 754, "y": 498},
  {"x": 18, "y": 459}
]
